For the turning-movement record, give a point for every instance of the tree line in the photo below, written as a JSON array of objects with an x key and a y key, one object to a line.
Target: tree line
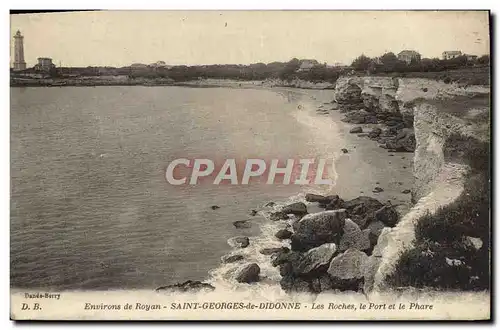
[
  {"x": 389, "y": 62},
  {"x": 258, "y": 71}
]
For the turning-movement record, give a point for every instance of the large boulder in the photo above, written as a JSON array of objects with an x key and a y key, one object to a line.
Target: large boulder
[
  {"x": 294, "y": 284},
  {"x": 359, "y": 117},
  {"x": 286, "y": 257},
  {"x": 347, "y": 93},
  {"x": 318, "y": 198},
  {"x": 239, "y": 241},
  {"x": 387, "y": 215},
  {"x": 242, "y": 224},
  {"x": 191, "y": 286},
  {"x": 273, "y": 250},
  {"x": 277, "y": 216},
  {"x": 316, "y": 259},
  {"x": 248, "y": 274},
  {"x": 356, "y": 129},
  {"x": 368, "y": 204},
  {"x": 375, "y": 229},
  {"x": 370, "y": 101},
  {"x": 317, "y": 229},
  {"x": 335, "y": 203},
  {"x": 231, "y": 258},
  {"x": 348, "y": 266},
  {"x": 354, "y": 237},
  {"x": 283, "y": 234},
  {"x": 375, "y": 132},
  {"x": 359, "y": 209},
  {"x": 297, "y": 208},
  {"x": 404, "y": 141}
]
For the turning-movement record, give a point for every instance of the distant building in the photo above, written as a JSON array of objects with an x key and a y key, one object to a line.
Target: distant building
[
  {"x": 307, "y": 65},
  {"x": 377, "y": 60},
  {"x": 471, "y": 57},
  {"x": 44, "y": 64},
  {"x": 449, "y": 54},
  {"x": 408, "y": 56},
  {"x": 19, "y": 63}
]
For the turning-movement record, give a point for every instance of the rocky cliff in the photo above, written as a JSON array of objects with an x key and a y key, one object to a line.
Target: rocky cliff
[{"x": 432, "y": 112}]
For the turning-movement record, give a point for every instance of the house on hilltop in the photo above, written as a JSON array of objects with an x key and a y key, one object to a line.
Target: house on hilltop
[
  {"x": 449, "y": 54},
  {"x": 408, "y": 56},
  {"x": 307, "y": 65}
]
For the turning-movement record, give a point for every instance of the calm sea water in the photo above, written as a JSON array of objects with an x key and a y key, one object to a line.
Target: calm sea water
[{"x": 90, "y": 206}]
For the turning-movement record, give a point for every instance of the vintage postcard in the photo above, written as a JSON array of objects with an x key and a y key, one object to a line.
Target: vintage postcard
[{"x": 250, "y": 165}]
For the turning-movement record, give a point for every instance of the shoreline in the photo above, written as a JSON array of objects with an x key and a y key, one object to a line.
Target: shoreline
[
  {"x": 372, "y": 165},
  {"x": 202, "y": 83}
]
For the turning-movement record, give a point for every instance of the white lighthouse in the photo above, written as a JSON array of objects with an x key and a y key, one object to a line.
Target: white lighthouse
[{"x": 19, "y": 63}]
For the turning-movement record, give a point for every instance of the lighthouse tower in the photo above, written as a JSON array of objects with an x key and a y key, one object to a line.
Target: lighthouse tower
[{"x": 19, "y": 63}]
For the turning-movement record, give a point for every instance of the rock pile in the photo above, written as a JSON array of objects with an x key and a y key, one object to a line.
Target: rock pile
[{"x": 331, "y": 249}]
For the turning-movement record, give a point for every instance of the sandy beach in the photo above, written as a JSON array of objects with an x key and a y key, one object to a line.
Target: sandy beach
[{"x": 365, "y": 165}]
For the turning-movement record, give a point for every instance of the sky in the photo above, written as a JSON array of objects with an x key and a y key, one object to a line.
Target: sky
[{"x": 120, "y": 38}]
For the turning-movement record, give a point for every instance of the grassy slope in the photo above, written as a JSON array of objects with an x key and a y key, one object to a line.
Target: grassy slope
[{"x": 443, "y": 235}]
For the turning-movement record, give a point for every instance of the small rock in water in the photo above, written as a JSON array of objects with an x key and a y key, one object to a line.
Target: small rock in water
[
  {"x": 239, "y": 241},
  {"x": 297, "y": 208},
  {"x": 283, "y": 234},
  {"x": 344, "y": 150},
  {"x": 232, "y": 258},
  {"x": 253, "y": 213},
  {"x": 242, "y": 224},
  {"x": 249, "y": 274},
  {"x": 276, "y": 216},
  {"x": 353, "y": 237},
  {"x": 406, "y": 191},
  {"x": 377, "y": 190},
  {"x": 215, "y": 207},
  {"x": 317, "y": 198},
  {"x": 269, "y": 251},
  {"x": 357, "y": 129},
  {"x": 270, "y": 204},
  {"x": 391, "y": 155},
  {"x": 186, "y": 286}
]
